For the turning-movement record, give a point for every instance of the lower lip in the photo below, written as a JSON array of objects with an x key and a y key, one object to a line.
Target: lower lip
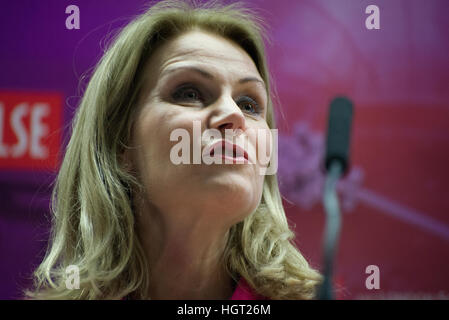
[{"x": 232, "y": 160}]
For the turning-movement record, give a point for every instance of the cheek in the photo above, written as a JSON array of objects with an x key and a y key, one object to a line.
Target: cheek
[
  {"x": 149, "y": 137},
  {"x": 153, "y": 131}
]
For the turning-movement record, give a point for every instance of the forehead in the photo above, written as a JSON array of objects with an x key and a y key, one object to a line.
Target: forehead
[{"x": 205, "y": 48}]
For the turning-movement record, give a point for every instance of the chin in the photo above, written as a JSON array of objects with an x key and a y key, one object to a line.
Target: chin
[{"x": 238, "y": 204}]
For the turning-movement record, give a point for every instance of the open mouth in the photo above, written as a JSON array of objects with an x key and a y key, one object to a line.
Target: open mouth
[{"x": 229, "y": 151}]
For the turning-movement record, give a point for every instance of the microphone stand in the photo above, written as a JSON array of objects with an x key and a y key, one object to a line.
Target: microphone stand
[
  {"x": 336, "y": 164},
  {"x": 332, "y": 231}
]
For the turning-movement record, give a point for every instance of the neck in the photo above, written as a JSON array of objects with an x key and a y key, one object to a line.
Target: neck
[{"x": 185, "y": 258}]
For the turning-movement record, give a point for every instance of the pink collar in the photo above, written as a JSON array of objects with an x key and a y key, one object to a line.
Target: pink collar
[{"x": 244, "y": 292}]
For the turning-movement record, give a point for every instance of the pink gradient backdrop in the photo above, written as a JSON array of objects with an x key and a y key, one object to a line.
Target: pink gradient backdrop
[{"x": 395, "y": 201}]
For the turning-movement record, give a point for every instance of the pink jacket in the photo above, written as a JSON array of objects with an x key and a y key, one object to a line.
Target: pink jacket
[{"x": 244, "y": 292}]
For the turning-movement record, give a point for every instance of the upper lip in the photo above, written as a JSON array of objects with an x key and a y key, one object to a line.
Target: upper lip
[{"x": 227, "y": 145}]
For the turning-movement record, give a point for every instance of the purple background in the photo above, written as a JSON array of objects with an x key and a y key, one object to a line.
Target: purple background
[{"x": 396, "y": 198}]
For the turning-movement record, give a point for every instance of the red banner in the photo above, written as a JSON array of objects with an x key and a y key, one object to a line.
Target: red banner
[{"x": 30, "y": 130}]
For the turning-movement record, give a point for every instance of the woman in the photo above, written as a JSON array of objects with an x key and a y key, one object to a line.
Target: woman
[{"x": 136, "y": 224}]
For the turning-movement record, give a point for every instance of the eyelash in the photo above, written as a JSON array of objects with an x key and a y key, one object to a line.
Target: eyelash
[{"x": 177, "y": 96}]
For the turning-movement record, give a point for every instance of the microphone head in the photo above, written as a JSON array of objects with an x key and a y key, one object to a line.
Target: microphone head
[{"x": 338, "y": 133}]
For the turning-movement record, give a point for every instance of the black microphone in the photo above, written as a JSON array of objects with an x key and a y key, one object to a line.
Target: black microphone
[
  {"x": 336, "y": 163},
  {"x": 338, "y": 133}
]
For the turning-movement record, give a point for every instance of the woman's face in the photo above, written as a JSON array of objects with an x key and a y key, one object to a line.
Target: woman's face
[{"x": 205, "y": 79}]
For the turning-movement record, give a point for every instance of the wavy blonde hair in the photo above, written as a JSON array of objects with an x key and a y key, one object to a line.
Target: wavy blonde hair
[{"x": 93, "y": 224}]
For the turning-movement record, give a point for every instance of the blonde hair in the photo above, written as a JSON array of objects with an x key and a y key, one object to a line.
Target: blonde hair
[{"x": 93, "y": 225}]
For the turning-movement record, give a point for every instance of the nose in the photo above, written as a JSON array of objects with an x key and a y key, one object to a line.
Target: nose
[{"x": 226, "y": 114}]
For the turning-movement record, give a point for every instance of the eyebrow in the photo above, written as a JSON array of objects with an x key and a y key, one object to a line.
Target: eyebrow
[{"x": 208, "y": 75}]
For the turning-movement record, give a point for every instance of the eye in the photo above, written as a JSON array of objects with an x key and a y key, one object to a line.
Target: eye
[
  {"x": 249, "y": 105},
  {"x": 187, "y": 93}
]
